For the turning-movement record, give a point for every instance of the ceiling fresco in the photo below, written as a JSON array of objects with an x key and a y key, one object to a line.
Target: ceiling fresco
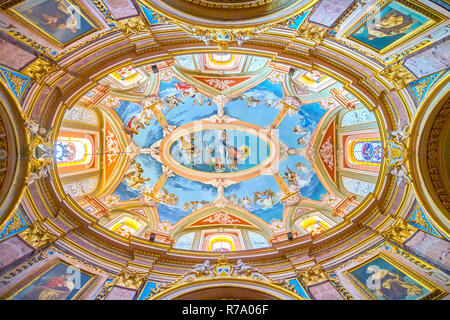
[
  {"x": 238, "y": 149},
  {"x": 226, "y": 131}
]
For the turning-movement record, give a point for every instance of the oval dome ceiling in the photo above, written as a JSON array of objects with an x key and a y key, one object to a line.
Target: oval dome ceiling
[{"x": 175, "y": 143}]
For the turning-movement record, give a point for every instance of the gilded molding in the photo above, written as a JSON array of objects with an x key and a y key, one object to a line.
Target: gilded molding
[
  {"x": 7, "y": 4},
  {"x": 336, "y": 283},
  {"x": 38, "y": 236},
  {"x": 222, "y": 270},
  {"x": 3, "y": 153},
  {"x": 133, "y": 26},
  {"x": 231, "y": 4},
  {"x": 131, "y": 279},
  {"x": 433, "y": 155}
]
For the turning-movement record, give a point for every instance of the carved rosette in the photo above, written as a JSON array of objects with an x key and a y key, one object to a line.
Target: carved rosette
[
  {"x": 399, "y": 231},
  {"x": 131, "y": 279},
  {"x": 312, "y": 275},
  {"x": 38, "y": 236}
]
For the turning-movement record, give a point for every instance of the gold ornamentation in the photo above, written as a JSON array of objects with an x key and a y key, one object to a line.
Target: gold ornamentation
[
  {"x": 131, "y": 279},
  {"x": 336, "y": 283},
  {"x": 38, "y": 236},
  {"x": 7, "y": 4},
  {"x": 39, "y": 69},
  {"x": 104, "y": 10},
  {"x": 312, "y": 275},
  {"x": 311, "y": 32},
  {"x": 222, "y": 270},
  {"x": 107, "y": 286},
  {"x": 231, "y": 4},
  {"x": 13, "y": 224},
  {"x": 133, "y": 27},
  {"x": 434, "y": 167},
  {"x": 399, "y": 231},
  {"x": 398, "y": 75},
  {"x": 3, "y": 152}
]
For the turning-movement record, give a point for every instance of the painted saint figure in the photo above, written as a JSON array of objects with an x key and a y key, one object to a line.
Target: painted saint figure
[
  {"x": 390, "y": 285},
  {"x": 391, "y": 24},
  {"x": 52, "y": 288}
]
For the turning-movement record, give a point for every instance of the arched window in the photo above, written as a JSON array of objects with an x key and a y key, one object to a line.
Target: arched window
[
  {"x": 70, "y": 151},
  {"x": 126, "y": 227},
  {"x": 314, "y": 225},
  {"x": 367, "y": 152},
  {"x": 221, "y": 243},
  {"x": 127, "y": 75},
  {"x": 221, "y": 57}
]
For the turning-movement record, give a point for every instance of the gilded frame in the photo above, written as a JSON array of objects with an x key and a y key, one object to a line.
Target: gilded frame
[
  {"x": 82, "y": 292},
  {"x": 434, "y": 18},
  {"x": 80, "y": 8},
  {"x": 435, "y": 293}
]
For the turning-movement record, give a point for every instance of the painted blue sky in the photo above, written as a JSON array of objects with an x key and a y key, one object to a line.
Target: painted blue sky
[{"x": 267, "y": 94}]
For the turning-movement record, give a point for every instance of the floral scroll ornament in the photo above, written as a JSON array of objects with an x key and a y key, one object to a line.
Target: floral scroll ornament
[{"x": 396, "y": 152}]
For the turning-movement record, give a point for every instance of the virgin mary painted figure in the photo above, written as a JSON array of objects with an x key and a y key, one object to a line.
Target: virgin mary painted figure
[
  {"x": 390, "y": 285},
  {"x": 393, "y": 23}
]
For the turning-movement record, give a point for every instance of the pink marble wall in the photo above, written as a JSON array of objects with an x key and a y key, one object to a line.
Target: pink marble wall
[
  {"x": 428, "y": 247},
  {"x": 121, "y": 8},
  {"x": 431, "y": 60},
  {"x": 119, "y": 293},
  {"x": 324, "y": 291},
  {"x": 11, "y": 250},
  {"x": 13, "y": 56}
]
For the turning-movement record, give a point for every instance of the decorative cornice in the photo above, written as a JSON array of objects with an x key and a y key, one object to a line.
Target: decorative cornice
[
  {"x": 7, "y": 4},
  {"x": 39, "y": 69},
  {"x": 222, "y": 270},
  {"x": 312, "y": 275},
  {"x": 133, "y": 27},
  {"x": 433, "y": 162},
  {"x": 38, "y": 236},
  {"x": 398, "y": 75}
]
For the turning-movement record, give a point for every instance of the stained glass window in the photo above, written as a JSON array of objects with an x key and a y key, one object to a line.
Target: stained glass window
[
  {"x": 73, "y": 151},
  {"x": 368, "y": 152},
  {"x": 314, "y": 225},
  {"x": 221, "y": 243},
  {"x": 126, "y": 227}
]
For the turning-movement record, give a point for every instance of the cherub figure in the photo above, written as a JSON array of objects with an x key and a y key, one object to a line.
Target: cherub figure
[
  {"x": 242, "y": 268},
  {"x": 202, "y": 269}
]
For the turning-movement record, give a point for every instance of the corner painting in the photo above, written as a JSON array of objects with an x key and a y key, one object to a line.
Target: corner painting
[
  {"x": 61, "y": 282},
  {"x": 59, "y": 20},
  {"x": 381, "y": 279},
  {"x": 389, "y": 24}
]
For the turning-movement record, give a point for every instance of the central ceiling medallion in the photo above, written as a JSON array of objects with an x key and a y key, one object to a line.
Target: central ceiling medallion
[{"x": 204, "y": 150}]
